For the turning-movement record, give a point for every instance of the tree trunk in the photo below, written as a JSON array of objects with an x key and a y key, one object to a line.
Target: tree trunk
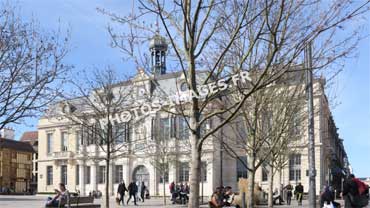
[
  {"x": 107, "y": 183},
  {"x": 194, "y": 175},
  {"x": 250, "y": 195},
  {"x": 271, "y": 186},
  {"x": 251, "y": 177},
  {"x": 281, "y": 177},
  {"x": 164, "y": 191}
]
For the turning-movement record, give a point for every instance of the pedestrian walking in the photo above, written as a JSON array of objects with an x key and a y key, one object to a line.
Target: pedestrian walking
[
  {"x": 289, "y": 193},
  {"x": 299, "y": 193},
  {"x": 142, "y": 191},
  {"x": 138, "y": 184},
  {"x": 132, "y": 190},
  {"x": 172, "y": 187},
  {"x": 121, "y": 192}
]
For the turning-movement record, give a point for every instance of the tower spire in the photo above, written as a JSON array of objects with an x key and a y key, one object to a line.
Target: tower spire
[
  {"x": 156, "y": 26},
  {"x": 158, "y": 49}
]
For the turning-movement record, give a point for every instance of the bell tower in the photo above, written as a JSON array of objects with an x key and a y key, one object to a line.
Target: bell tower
[{"x": 158, "y": 49}]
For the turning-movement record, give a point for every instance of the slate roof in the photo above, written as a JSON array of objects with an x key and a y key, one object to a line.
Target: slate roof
[
  {"x": 15, "y": 145},
  {"x": 29, "y": 136}
]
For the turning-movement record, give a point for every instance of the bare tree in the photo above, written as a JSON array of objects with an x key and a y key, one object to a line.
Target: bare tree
[
  {"x": 31, "y": 67},
  {"x": 95, "y": 108},
  {"x": 163, "y": 151},
  {"x": 285, "y": 132},
  {"x": 228, "y": 37}
]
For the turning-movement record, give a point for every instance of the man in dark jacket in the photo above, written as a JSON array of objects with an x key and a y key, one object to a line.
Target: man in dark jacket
[
  {"x": 121, "y": 191},
  {"x": 299, "y": 191},
  {"x": 132, "y": 191},
  {"x": 327, "y": 197},
  {"x": 142, "y": 191}
]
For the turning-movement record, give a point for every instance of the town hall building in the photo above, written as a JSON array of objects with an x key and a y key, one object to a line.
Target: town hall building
[{"x": 65, "y": 154}]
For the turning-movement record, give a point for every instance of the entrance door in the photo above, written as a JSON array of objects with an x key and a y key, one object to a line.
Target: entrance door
[{"x": 141, "y": 174}]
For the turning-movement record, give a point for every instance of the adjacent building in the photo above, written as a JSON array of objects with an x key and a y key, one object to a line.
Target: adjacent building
[
  {"x": 15, "y": 165},
  {"x": 31, "y": 137}
]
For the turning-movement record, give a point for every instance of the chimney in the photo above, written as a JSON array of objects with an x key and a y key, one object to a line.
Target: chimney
[{"x": 7, "y": 133}]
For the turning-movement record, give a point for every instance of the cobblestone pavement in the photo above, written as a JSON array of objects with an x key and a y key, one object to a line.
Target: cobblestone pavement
[{"x": 9, "y": 201}]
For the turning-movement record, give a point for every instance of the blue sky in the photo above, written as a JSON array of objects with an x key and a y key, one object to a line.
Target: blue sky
[{"x": 90, "y": 47}]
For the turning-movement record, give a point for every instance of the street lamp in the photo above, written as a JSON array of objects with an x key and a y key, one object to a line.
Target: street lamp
[{"x": 311, "y": 133}]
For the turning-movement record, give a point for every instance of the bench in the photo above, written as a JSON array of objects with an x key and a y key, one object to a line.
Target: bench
[
  {"x": 78, "y": 201},
  {"x": 82, "y": 201}
]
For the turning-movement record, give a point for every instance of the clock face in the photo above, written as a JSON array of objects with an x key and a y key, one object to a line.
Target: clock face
[
  {"x": 141, "y": 91},
  {"x": 184, "y": 86}
]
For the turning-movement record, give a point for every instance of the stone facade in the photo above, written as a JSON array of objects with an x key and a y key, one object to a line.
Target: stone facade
[
  {"x": 331, "y": 161},
  {"x": 66, "y": 156}
]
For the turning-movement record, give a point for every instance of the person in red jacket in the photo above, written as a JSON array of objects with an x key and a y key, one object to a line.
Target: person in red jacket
[{"x": 354, "y": 193}]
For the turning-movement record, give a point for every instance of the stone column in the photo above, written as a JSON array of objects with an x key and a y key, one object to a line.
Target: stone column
[
  {"x": 93, "y": 176},
  {"x": 82, "y": 167},
  {"x": 111, "y": 178},
  {"x": 126, "y": 171}
]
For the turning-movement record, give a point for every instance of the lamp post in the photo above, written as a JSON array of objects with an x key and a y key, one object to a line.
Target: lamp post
[{"x": 311, "y": 133}]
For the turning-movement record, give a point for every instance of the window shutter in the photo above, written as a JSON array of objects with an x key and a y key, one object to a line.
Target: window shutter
[
  {"x": 173, "y": 126},
  {"x": 127, "y": 131},
  {"x": 152, "y": 129}
]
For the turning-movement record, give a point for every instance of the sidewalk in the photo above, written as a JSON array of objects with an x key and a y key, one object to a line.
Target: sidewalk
[{"x": 12, "y": 201}]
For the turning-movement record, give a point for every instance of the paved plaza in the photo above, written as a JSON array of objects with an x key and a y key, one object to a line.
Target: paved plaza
[{"x": 9, "y": 201}]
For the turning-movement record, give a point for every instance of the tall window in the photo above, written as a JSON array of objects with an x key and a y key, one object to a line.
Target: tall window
[
  {"x": 63, "y": 174},
  {"x": 49, "y": 175},
  {"x": 163, "y": 173},
  {"x": 88, "y": 175},
  {"x": 101, "y": 174},
  {"x": 77, "y": 174},
  {"x": 90, "y": 132},
  {"x": 49, "y": 138},
  {"x": 184, "y": 172},
  {"x": 241, "y": 130},
  {"x": 296, "y": 124},
  {"x": 267, "y": 120},
  {"x": 118, "y": 174},
  {"x": 164, "y": 128},
  {"x": 241, "y": 169},
  {"x": 203, "y": 173},
  {"x": 295, "y": 167},
  {"x": 78, "y": 140},
  {"x": 205, "y": 126},
  {"x": 183, "y": 128},
  {"x": 265, "y": 172},
  {"x": 64, "y": 141},
  {"x": 122, "y": 132}
]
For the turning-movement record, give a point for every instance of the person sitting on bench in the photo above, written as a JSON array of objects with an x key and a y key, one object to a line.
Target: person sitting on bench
[{"x": 61, "y": 197}]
